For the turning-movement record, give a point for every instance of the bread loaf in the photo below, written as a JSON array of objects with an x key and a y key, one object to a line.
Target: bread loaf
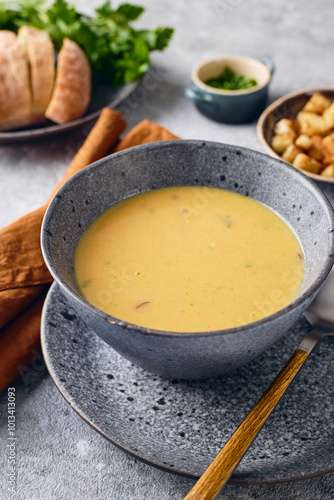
[
  {"x": 15, "y": 96},
  {"x": 32, "y": 88},
  {"x": 39, "y": 51},
  {"x": 72, "y": 90}
]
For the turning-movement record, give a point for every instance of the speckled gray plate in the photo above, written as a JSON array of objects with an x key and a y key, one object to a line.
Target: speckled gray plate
[{"x": 180, "y": 426}]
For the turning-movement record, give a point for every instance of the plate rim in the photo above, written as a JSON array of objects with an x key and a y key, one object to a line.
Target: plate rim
[{"x": 73, "y": 404}]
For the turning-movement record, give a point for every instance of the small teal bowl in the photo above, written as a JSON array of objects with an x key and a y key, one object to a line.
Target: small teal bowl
[{"x": 231, "y": 106}]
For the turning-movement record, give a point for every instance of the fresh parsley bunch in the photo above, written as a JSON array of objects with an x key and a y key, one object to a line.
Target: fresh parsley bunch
[{"x": 116, "y": 50}]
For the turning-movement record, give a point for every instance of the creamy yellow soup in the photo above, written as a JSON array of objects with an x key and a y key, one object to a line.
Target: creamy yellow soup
[{"x": 189, "y": 259}]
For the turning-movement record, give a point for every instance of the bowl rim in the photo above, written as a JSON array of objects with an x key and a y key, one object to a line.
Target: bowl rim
[
  {"x": 275, "y": 104},
  {"x": 231, "y": 93},
  {"x": 326, "y": 267}
]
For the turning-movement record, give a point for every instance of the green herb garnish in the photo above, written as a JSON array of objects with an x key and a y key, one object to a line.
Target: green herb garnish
[
  {"x": 231, "y": 81},
  {"x": 116, "y": 50}
]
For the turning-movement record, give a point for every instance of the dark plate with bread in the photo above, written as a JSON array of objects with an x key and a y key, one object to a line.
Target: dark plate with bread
[{"x": 43, "y": 95}]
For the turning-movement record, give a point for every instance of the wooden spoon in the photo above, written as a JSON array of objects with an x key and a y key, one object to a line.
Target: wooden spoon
[{"x": 320, "y": 314}]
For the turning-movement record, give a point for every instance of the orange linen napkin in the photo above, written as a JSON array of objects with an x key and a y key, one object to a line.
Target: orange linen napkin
[{"x": 24, "y": 277}]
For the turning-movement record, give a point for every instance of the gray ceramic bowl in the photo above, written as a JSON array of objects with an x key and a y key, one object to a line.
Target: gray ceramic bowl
[
  {"x": 108, "y": 181},
  {"x": 231, "y": 106}
]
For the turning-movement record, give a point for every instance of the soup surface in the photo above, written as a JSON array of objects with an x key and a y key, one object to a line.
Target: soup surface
[{"x": 189, "y": 259}]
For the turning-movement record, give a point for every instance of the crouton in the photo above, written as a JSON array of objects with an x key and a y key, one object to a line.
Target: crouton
[
  {"x": 315, "y": 153},
  {"x": 290, "y": 153},
  {"x": 286, "y": 125},
  {"x": 281, "y": 141},
  {"x": 327, "y": 147},
  {"x": 317, "y": 103},
  {"x": 311, "y": 124},
  {"x": 304, "y": 162},
  {"x": 317, "y": 140},
  {"x": 304, "y": 141},
  {"x": 327, "y": 160},
  {"x": 328, "y": 116},
  {"x": 328, "y": 171}
]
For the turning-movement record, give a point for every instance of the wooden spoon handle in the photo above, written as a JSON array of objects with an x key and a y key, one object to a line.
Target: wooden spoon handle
[{"x": 217, "y": 474}]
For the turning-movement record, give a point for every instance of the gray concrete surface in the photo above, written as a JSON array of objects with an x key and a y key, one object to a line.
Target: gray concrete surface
[{"x": 58, "y": 455}]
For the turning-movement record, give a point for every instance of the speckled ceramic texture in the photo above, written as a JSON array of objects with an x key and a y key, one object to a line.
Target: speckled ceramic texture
[
  {"x": 202, "y": 354},
  {"x": 181, "y": 425}
]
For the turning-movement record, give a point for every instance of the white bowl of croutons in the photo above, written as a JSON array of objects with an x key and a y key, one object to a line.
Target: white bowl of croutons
[{"x": 299, "y": 129}]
